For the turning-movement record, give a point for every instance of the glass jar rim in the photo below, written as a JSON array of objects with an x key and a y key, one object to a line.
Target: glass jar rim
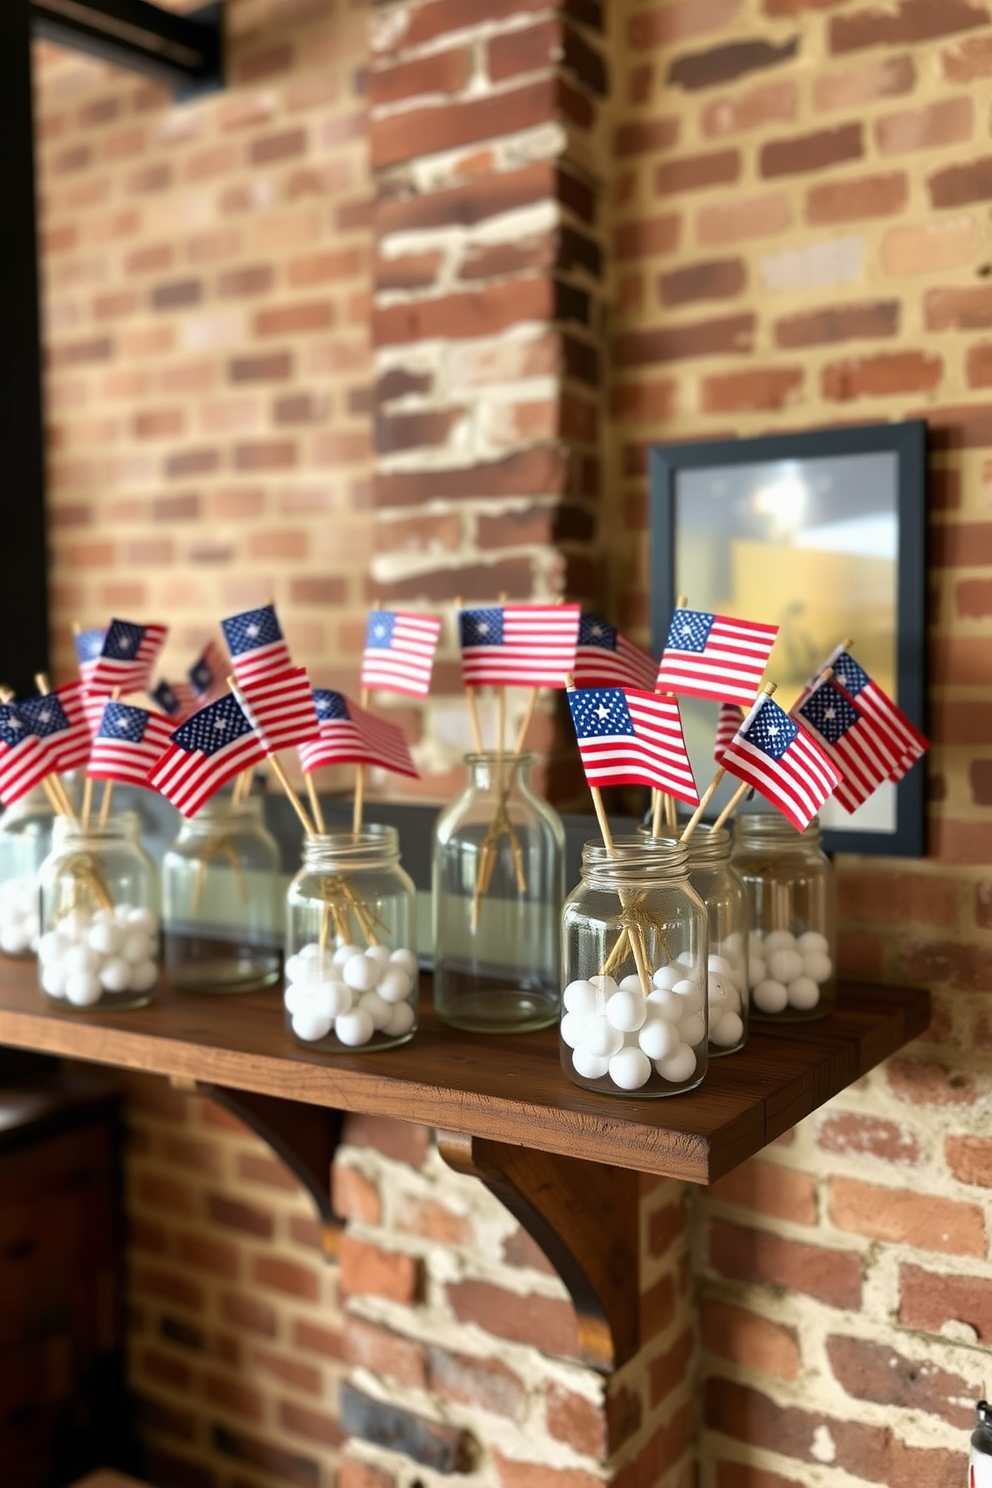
[
  {"x": 764, "y": 825},
  {"x": 343, "y": 847},
  {"x": 122, "y": 826},
  {"x": 704, "y": 846},
  {"x": 634, "y": 856},
  {"x": 493, "y": 757},
  {"x": 223, "y": 808}
]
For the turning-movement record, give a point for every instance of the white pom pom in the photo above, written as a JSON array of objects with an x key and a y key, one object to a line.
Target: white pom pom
[
  {"x": 665, "y": 1004},
  {"x": 812, "y": 940},
  {"x": 137, "y": 947},
  {"x": 115, "y": 974},
  {"x": 377, "y": 1010},
  {"x": 50, "y": 948},
  {"x": 691, "y": 994},
  {"x": 360, "y": 973},
  {"x": 658, "y": 1039},
  {"x": 678, "y": 1067},
  {"x": 310, "y": 1024},
  {"x": 582, "y": 998},
  {"x": 779, "y": 940},
  {"x": 354, "y": 1028},
  {"x": 589, "y": 1066},
  {"x": 803, "y": 993},
  {"x": 401, "y": 1020},
  {"x": 14, "y": 939},
  {"x": 626, "y": 1011},
  {"x": 105, "y": 937},
  {"x": 630, "y": 1069},
  {"x": 332, "y": 998},
  {"x": 757, "y": 970},
  {"x": 818, "y": 966},
  {"x": 82, "y": 988},
  {"x": 716, "y": 989},
  {"x": 380, "y": 953},
  {"x": 344, "y": 953},
  {"x": 785, "y": 965},
  {"x": 143, "y": 919},
  {"x": 309, "y": 952},
  {"x": 606, "y": 985},
  {"x": 53, "y": 979},
  {"x": 600, "y": 1037},
  {"x": 396, "y": 985},
  {"x": 770, "y": 996},
  {"x": 294, "y": 998},
  {"x": 666, "y": 977},
  {"x": 406, "y": 959},
  {"x": 692, "y": 1030},
  {"x": 80, "y": 958},
  {"x": 632, "y": 983},
  {"x": 143, "y": 976},
  {"x": 573, "y": 1029},
  {"x": 719, "y": 965},
  {"x": 727, "y": 1031}
]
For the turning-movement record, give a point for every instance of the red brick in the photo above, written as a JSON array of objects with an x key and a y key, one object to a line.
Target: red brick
[
  {"x": 946, "y": 122},
  {"x": 874, "y": 1371},
  {"x": 738, "y": 113},
  {"x": 907, "y": 1218},
  {"x": 897, "y": 898},
  {"x": 233, "y": 1396},
  {"x": 666, "y": 1225},
  {"x": 367, "y": 1269},
  {"x": 293, "y": 319},
  {"x": 960, "y": 185},
  {"x": 518, "y": 1249},
  {"x": 949, "y": 964},
  {"x": 962, "y": 545},
  {"x": 741, "y": 220},
  {"x": 743, "y": 1475},
  {"x": 722, "y": 64},
  {"x": 169, "y": 1286},
  {"x": 486, "y": 1384},
  {"x": 833, "y": 1276},
  {"x": 732, "y": 333},
  {"x": 811, "y": 152},
  {"x": 760, "y": 388},
  {"x": 882, "y": 376},
  {"x": 425, "y": 131},
  {"x": 354, "y": 1196},
  {"x": 385, "y": 1353},
  {"x": 247, "y": 1313},
  {"x": 751, "y": 1341},
  {"x": 432, "y": 1219},
  {"x": 168, "y": 1371},
  {"x": 279, "y": 1275},
  {"x": 352, "y": 1474},
  {"x": 512, "y": 1473},
  {"x": 696, "y": 172},
  {"x": 968, "y": 60},
  {"x": 482, "y": 312},
  {"x": 645, "y": 136},
  {"x": 407, "y": 271},
  {"x": 970, "y": 1159},
  {"x": 287, "y": 1371},
  {"x": 858, "y": 200},
  {"x": 929, "y": 1300},
  {"x": 169, "y": 1194},
  {"x": 838, "y": 323},
  {"x": 317, "y": 1340},
  {"x": 717, "y": 279},
  {"x": 207, "y": 1253},
  {"x": 669, "y": 24},
  {"x": 529, "y": 473},
  {"x": 767, "y": 1188},
  {"x": 542, "y": 1322},
  {"x": 312, "y": 1425},
  {"x": 438, "y": 72},
  {"x": 647, "y": 237},
  {"x": 577, "y": 1420},
  {"x": 905, "y": 22},
  {"x": 863, "y": 82},
  {"x": 869, "y": 1136},
  {"x": 929, "y": 1084},
  {"x": 964, "y": 308}
]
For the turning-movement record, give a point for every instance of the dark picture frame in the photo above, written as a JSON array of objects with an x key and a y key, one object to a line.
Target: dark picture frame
[{"x": 846, "y": 473}]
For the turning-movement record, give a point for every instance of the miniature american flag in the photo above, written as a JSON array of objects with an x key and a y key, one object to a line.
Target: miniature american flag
[
  {"x": 849, "y": 738},
  {"x": 59, "y": 719},
  {"x": 282, "y": 709},
  {"x": 174, "y": 699},
  {"x": 772, "y": 753},
  {"x": 605, "y": 658},
  {"x": 632, "y": 737},
  {"x": 207, "y": 675},
  {"x": 902, "y": 737},
  {"x": 399, "y": 651},
  {"x": 88, "y": 644},
  {"x": 518, "y": 645},
  {"x": 256, "y": 644},
  {"x": 217, "y": 742},
  {"x": 350, "y": 735},
  {"x": 127, "y": 656},
  {"x": 728, "y": 722},
  {"x": 128, "y": 744},
  {"x": 24, "y": 759},
  {"x": 714, "y": 656}
]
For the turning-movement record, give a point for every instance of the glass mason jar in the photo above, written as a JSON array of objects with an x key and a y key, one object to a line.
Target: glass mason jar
[
  {"x": 635, "y": 944},
  {"x": 351, "y": 963},
  {"x": 221, "y": 900},
  {"x": 499, "y": 882},
  {"x": 99, "y": 916},
  {"x": 25, "y": 842},
  {"x": 790, "y": 884}
]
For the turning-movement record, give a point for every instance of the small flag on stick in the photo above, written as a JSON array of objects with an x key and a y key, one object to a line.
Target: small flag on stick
[
  {"x": 518, "y": 645},
  {"x": 206, "y": 675},
  {"x": 629, "y": 737},
  {"x": 24, "y": 759},
  {"x": 351, "y": 735},
  {"x": 218, "y": 742},
  {"x": 771, "y": 752},
  {"x": 175, "y": 700},
  {"x": 714, "y": 656},
  {"x": 88, "y": 644},
  {"x": 255, "y": 641},
  {"x": 127, "y": 656},
  {"x": 59, "y": 719},
  {"x": 605, "y": 658},
  {"x": 281, "y": 706},
  {"x": 728, "y": 722},
  {"x": 850, "y": 739},
  {"x": 901, "y": 736},
  {"x": 399, "y": 652},
  {"x": 128, "y": 744}
]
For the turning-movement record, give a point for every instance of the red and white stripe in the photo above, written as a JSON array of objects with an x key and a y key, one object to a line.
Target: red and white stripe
[
  {"x": 281, "y": 708},
  {"x": 627, "y": 666},
  {"x": 728, "y": 722},
  {"x": 129, "y": 762},
  {"x": 537, "y": 650},
  {"x": 188, "y": 778},
  {"x": 21, "y": 768},
  {"x": 267, "y": 661},
  {"x": 71, "y": 747},
  {"x": 729, "y": 669},
  {"x": 132, "y": 673},
  {"x": 654, "y": 755},
  {"x": 902, "y": 737},
  {"x": 360, "y": 739},
  {"x": 406, "y": 665},
  {"x": 798, "y": 783}
]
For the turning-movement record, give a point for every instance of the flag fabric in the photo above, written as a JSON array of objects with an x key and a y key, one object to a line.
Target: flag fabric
[
  {"x": 256, "y": 644},
  {"x": 629, "y": 736},
  {"x": 207, "y": 676},
  {"x": 175, "y": 700},
  {"x": 127, "y": 656},
  {"x": 849, "y": 738},
  {"x": 399, "y": 651},
  {"x": 351, "y": 735},
  {"x": 605, "y": 658},
  {"x": 771, "y": 752},
  {"x": 128, "y": 744},
  {"x": 282, "y": 709},
  {"x": 24, "y": 758},
  {"x": 518, "y": 645},
  {"x": 93, "y": 704},
  {"x": 714, "y": 656},
  {"x": 59, "y": 720},
  {"x": 903, "y": 738},
  {"x": 217, "y": 742},
  {"x": 88, "y": 644},
  {"x": 728, "y": 722}
]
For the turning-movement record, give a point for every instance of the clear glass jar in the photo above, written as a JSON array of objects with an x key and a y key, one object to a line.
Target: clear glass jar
[
  {"x": 635, "y": 944},
  {"x": 221, "y": 900},
  {"x": 499, "y": 882},
  {"x": 25, "y": 842},
  {"x": 99, "y": 945},
  {"x": 351, "y": 964},
  {"x": 790, "y": 884}
]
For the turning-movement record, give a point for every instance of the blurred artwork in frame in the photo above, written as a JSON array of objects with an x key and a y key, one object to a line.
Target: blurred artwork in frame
[{"x": 822, "y": 534}]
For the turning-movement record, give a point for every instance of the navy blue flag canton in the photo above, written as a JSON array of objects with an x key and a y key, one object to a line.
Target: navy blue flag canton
[
  {"x": 201, "y": 676},
  {"x": 689, "y": 630},
  {"x": 849, "y": 674},
  {"x": 121, "y": 721},
  {"x": 772, "y": 731},
  {"x": 329, "y": 704},
  {"x": 830, "y": 713},
  {"x": 593, "y": 632},
  {"x": 213, "y": 727},
  {"x": 123, "y": 640},
  {"x": 250, "y": 630},
  {"x": 166, "y": 698},
  {"x": 379, "y": 635},
  {"x": 600, "y": 711},
  {"x": 13, "y": 729},
  {"x": 481, "y": 627},
  {"x": 89, "y": 644},
  {"x": 43, "y": 715}
]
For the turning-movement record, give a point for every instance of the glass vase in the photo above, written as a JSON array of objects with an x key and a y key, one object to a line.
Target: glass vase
[{"x": 25, "y": 842}]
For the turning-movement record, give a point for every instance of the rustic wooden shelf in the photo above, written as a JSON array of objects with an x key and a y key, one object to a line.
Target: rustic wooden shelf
[{"x": 505, "y": 1090}]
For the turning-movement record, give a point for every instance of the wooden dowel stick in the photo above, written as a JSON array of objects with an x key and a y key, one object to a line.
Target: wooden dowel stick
[
  {"x": 293, "y": 798},
  {"x": 731, "y": 805},
  {"x": 57, "y": 783},
  {"x": 657, "y": 801},
  {"x": 108, "y": 791},
  {"x": 704, "y": 801},
  {"x": 318, "y": 814},
  {"x": 87, "y": 801},
  {"x": 518, "y": 743},
  {"x": 473, "y": 718},
  {"x": 359, "y": 802}
]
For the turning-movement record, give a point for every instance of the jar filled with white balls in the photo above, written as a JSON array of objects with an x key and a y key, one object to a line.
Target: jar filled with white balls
[
  {"x": 222, "y": 900},
  {"x": 635, "y": 945},
  {"x": 99, "y": 945},
  {"x": 792, "y": 894},
  {"x": 351, "y": 962},
  {"x": 25, "y": 842}
]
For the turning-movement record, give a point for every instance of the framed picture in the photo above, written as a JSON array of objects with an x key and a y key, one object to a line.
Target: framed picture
[{"x": 821, "y": 534}]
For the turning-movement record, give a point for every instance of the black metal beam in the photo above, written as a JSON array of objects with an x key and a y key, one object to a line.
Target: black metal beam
[
  {"x": 23, "y": 585},
  {"x": 183, "y": 51}
]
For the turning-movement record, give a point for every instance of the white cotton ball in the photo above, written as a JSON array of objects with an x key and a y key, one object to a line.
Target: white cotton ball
[
  {"x": 115, "y": 974},
  {"x": 360, "y": 973},
  {"x": 143, "y": 976},
  {"x": 757, "y": 970},
  {"x": 53, "y": 979},
  {"x": 344, "y": 953},
  {"x": 143, "y": 919},
  {"x": 779, "y": 940},
  {"x": 137, "y": 947},
  {"x": 803, "y": 993},
  {"x": 666, "y": 977},
  {"x": 396, "y": 985},
  {"x": 310, "y": 1024},
  {"x": 732, "y": 945},
  {"x": 573, "y": 1029},
  {"x": 606, "y": 985},
  {"x": 293, "y": 969},
  {"x": 105, "y": 937},
  {"x": 678, "y": 1067},
  {"x": 50, "y": 948},
  {"x": 582, "y": 998},
  {"x": 589, "y": 1066},
  {"x": 600, "y": 1037},
  {"x": 121, "y": 913},
  {"x": 692, "y": 1030},
  {"x": 626, "y": 1011},
  {"x": 727, "y": 1030},
  {"x": 26, "y": 896},
  {"x": 691, "y": 994},
  {"x": 812, "y": 940},
  {"x": 818, "y": 966},
  {"x": 686, "y": 958},
  {"x": 716, "y": 989},
  {"x": 785, "y": 965},
  {"x": 380, "y": 953},
  {"x": 632, "y": 983},
  {"x": 80, "y": 958},
  {"x": 770, "y": 996},
  {"x": 719, "y": 966},
  {"x": 82, "y": 988},
  {"x": 658, "y": 1039},
  {"x": 732, "y": 1001},
  {"x": 293, "y": 998},
  {"x": 14, "y": 939},
  {"x": 377, "y": 1010},
  {"x": 630, "y": 1069},
  {"x": 406, "y": 959},
  {"x": 310, "y": 952},
  {"x": 756, "y": 942},
  {"x": 354, "y": 1028},
  {"x": 665, "y": 1004},
  {"x": 401, "y": 1020},
  {"x": 332, "y": 998},
  {"x": 73, "y": 926}
]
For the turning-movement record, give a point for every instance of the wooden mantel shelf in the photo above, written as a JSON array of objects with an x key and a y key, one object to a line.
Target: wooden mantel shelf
[{"x": 505, "y": 1090}]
